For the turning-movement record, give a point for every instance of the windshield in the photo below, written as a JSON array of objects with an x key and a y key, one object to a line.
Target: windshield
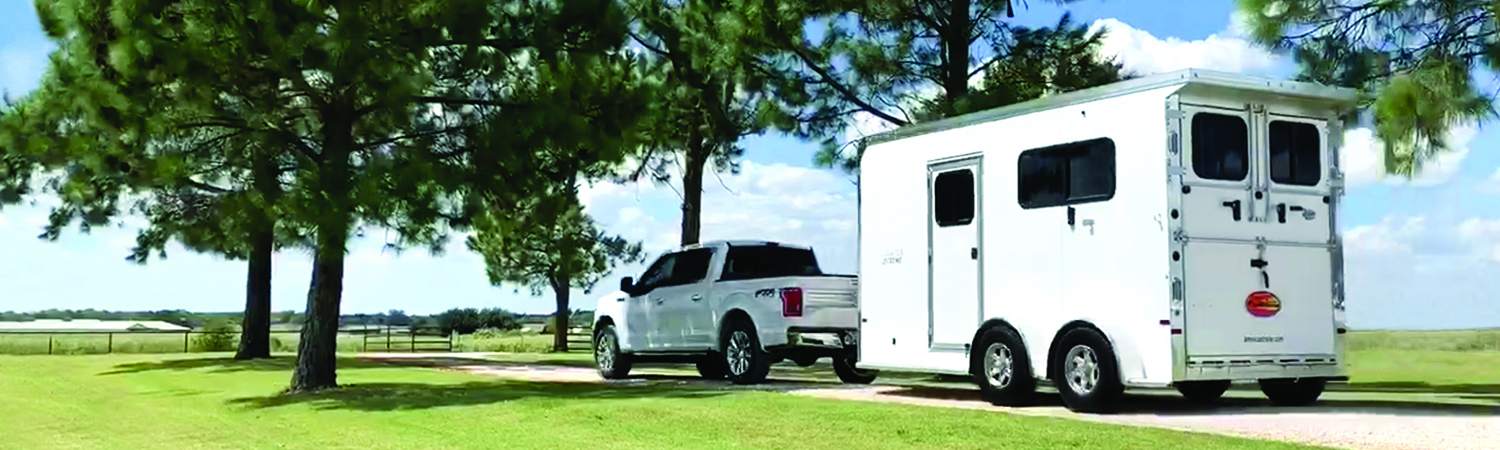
[{"x": 767, "y": 261}]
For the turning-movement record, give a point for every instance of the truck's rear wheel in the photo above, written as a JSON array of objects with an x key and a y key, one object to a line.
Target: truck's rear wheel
[
  {"x": 1293, "y": 392},
  {"x": 1087, "y": 376},
  {"x": 612, "y": 364},
  {"x": 843, "y": 366},
  {"x": 746, "y": 362},
  {"x": 1203, "y": 391},
  {"x": 1002, "y": 369}
]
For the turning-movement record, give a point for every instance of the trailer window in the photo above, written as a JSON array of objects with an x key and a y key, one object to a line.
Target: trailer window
[
  {"x": 1078, "y": 172},
  {"x": 953, "y": 198},
  {"x": 1295, "y": 151},
  {"x": 1221, "y": 147}
]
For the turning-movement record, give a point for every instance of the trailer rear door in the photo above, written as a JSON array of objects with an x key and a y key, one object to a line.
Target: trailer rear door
[{"x": 1258, "y": 262}]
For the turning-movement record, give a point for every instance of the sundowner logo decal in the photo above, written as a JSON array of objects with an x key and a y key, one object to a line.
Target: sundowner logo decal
[{"x": 1262, "y": 304}]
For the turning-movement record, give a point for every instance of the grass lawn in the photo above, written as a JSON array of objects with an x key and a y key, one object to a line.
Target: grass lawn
[{"x": 209, "y": 402}]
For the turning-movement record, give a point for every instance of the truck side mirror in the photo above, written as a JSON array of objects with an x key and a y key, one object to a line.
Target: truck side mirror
[{"x": 626, "y": 283}]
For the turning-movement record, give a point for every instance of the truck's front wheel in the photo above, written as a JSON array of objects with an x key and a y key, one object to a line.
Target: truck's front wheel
[
  {"x": 747, "y": 363},
  {"x": 612, "y": 364}
]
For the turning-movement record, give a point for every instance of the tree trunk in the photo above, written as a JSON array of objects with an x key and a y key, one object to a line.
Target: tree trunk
[
  {"x": 255, "y": 332},
  {"x": 560, "y": 325},
  {"x": 957, "y": 38},
  {"x": 317, "y": 353},
  {"x": 692, "y": 187}
]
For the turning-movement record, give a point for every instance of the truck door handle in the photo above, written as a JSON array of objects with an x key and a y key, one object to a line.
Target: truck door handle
[
  {"x": 697, "y": 297},
  {"x": 1235, "y": 205}
]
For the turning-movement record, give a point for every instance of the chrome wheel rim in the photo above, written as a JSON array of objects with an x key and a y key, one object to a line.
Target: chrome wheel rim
[
  {"x": 604, "y": 353},
  {"x": 1082, "y": 369},
  {"x": 999, "y": 365},
  {"x": 738, "y": 353}
]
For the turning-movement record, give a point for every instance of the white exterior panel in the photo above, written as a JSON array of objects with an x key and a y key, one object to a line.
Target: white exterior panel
[{"x": 1162, "y": 273}]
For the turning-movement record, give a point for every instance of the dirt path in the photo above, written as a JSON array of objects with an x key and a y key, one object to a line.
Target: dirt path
[{"x": 1342, "y": 419}]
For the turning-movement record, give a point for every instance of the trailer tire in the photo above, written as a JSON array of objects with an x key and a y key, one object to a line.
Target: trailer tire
[
  {"x": 1087, "y": 377},
  {"x": 744, "y": 360},
  {"x": 1293, "y": 391},
  {"x": 1203, "y": 391},
  {"x": 843, "y": 366},
  {"x": 1002, "y": 369},
  {"x": 712, "y": 367},
  {"x": 612, "y": 364}
]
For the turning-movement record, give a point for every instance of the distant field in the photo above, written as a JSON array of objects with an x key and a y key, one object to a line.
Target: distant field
[
  {"x": 1454, "y": 340},
  {"x": 81, "y": 344},
  {"x": 212, "y": 402}
]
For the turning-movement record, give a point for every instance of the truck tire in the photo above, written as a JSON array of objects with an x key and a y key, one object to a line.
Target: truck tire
[
  {"x": 612, "y": 364},
  {"x": 1087, "y": 377},
  {"x": 1293, "y": 391},
  {"x": 843, "y": 366},
  {"x": 805, "y": 362},
  {"x": 1203, "y": 391},
  {"x": 1002, "y": 369},
  {"x": 712, "y": 367},
  {"x": 746, "y": 362}
]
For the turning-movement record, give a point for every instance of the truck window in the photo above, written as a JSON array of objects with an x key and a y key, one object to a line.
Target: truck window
[
  {"x": 1295, "y": 153},
  {"x": 1066, "y": 174},
  {"x": 953, "y": 198},
  {"x": 1221, "y": 147},
  {"x": 762, "y": 261},
  {"x": 678, "y": 268}
]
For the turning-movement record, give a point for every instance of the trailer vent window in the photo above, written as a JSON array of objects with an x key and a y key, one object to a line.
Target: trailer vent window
[
  {"x": 1067, "y": 174},
  {"x": 953, "y": 198},
  {"x": 1221, "y": 147},
  {"x": 1295, "y": 151}
]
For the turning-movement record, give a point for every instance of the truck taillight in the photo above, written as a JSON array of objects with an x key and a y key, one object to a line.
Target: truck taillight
[{"x": 791, "y": 302}]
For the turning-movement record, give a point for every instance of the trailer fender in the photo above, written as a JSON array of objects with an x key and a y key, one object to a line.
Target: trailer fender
[
  {"x": 1000, "y": 323},
  {"x": 1126, "y": 359}
]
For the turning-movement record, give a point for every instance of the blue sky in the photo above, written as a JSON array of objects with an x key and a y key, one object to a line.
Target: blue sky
[{"x": 1422, "y": 253}]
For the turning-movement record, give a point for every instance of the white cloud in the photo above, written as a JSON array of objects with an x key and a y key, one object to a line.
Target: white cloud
[
  {"x": 1141, "y": 52},
  {"x": 1423, "y": 272},
  {"x": 1364, "y": 164},
  {"x": 1391, "y": 236}
]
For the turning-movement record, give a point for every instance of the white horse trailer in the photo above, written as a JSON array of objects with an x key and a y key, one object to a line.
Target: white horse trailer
[{"x": 1177, "y": 230}]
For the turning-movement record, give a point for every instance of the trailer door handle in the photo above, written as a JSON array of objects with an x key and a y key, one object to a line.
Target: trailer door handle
[
  {"x": 1235, "y": 205},
  {"x": 974, "y": 253},
  {"x": 1072, "y": 213},
  {"x": 1281, "y": 212}
]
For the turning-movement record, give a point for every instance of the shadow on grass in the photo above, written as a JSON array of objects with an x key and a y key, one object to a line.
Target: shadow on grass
[
  {"x": 229, "y": 364},
  {"x": 1170, "y": 404},
  {"x": 410, "y": 396}
]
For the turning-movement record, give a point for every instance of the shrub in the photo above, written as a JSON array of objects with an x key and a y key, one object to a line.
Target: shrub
[{"x": 218, "y": 336}]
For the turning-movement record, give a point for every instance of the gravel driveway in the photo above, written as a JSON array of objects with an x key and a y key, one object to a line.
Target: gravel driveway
[{"x": 1343, "y": 419}]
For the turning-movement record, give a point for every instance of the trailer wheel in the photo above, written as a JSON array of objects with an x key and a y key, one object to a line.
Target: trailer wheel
[
  {"x": 1293, "y": 391},
  {"x": 1087, "y": 376},
  {"x": 712, "y": 366},
  {"x": 612, "y": 364},
  {"x": 1002, "y": 369},
  {"x": 743, "y": 357},
  {"x": 1203, "y": 391},
  {"x": 843, "y": 366}
]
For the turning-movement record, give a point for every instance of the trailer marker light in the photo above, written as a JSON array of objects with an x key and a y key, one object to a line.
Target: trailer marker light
[
  {"x": 1262, "y": 304},
  {"x": 1176, "y": 331},
  {"x": 791, "y": 302}
]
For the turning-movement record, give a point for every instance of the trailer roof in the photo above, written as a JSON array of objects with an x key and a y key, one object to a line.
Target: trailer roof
[{"x": 1343, "y": 98}]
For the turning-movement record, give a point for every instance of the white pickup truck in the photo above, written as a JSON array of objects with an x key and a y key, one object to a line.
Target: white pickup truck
[{"x": 734, "y": 308}]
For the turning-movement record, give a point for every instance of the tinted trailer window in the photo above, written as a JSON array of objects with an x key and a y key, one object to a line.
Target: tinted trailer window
[{"x": 767, "y": 262}]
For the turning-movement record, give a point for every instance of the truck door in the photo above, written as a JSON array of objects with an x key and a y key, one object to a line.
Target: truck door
[
  {"x": 684, "y": 319},
  {"x": 954, "y": 246},
  {"x": 1257, "y": 262}
]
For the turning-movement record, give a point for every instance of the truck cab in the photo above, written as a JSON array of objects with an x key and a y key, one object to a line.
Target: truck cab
[{"x": 733, "y": 308}]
